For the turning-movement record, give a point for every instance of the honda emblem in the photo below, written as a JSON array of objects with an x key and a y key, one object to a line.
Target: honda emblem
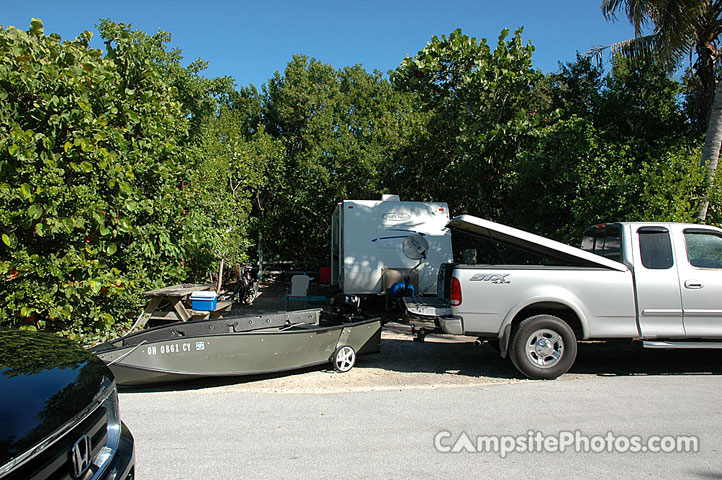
[{"x": 81, "y": 456}]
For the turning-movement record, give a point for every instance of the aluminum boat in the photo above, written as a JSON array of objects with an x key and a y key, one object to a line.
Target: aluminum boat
[{"x": 244, "y": 345}]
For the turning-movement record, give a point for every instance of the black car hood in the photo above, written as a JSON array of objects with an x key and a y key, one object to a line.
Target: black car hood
[{"x": 45, "y": 381}]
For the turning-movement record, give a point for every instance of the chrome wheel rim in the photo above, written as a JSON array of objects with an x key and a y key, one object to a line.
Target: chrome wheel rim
[
  {"x": 345, "y": 359},
  {"x": 544, "y": 348}
]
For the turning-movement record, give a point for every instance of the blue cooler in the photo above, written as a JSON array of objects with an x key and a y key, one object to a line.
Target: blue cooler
[{"x": 204, "y": 300}]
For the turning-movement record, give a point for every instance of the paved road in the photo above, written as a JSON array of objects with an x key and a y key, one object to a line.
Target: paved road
[{"x": 229, "y": 432}]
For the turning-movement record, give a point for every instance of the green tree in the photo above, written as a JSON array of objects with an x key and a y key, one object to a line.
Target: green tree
[
  {"x": 340, "y": 129},
  {"x": 481, "y": 107},
  {"x": 228, "y": 171},
  {"x": 576, "y": 89},
  {"x": 619, "y": 149},
  {"x": 199, "y": 97},
  {"x": 678, "y": 29},
  {"x": 640, "y": 102},
  {"x": 89, "y": 161}
]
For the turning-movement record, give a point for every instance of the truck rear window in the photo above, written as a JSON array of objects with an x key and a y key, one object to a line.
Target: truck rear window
[
  {"x": 606, "y": 242},
  {"x": 588, "y": 241},
  {"x": 655, "y": 248}
]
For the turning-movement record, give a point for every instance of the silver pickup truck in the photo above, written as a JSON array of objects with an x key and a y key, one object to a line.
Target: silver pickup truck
[{"x": 657, "y": 282}]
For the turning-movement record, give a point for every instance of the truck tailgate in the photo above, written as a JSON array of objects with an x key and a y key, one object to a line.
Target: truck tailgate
[{"x": 427, "y": 306}]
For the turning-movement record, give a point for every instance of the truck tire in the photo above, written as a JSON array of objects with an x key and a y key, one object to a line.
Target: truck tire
[{"x": 543, "y": 347}]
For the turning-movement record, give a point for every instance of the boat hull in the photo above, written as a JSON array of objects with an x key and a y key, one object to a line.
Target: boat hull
[{"x": 236, "y": 353}]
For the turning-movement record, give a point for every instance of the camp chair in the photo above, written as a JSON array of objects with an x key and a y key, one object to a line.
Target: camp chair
[{"x": 299, "y": 289}]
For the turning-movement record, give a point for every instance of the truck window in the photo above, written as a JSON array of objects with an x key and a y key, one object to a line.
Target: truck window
[
  {"x": 655, "y": 248},
  {"x": 704, "y": 249},
  {"x": 613, "y": 244},
  {"x": 588, "y": 241},
  {"x": 599, "y": 242}
]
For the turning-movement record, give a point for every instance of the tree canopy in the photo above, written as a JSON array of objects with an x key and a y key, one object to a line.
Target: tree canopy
[
  {"x": 680, "y": 29},
  {"x": 123, "y": 170}
]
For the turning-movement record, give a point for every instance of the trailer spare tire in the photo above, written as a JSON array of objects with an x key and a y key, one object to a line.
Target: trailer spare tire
[{"x": 543, "y": 347}]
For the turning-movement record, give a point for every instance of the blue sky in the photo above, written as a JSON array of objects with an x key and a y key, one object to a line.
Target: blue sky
[{"x": 251, "y": 40}]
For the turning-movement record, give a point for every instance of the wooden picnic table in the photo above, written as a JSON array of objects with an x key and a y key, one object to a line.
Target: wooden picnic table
[{"x": 171, "y": 304}]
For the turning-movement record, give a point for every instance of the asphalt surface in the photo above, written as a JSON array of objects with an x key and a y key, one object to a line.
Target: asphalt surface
[{"x": 383, "y": 423}]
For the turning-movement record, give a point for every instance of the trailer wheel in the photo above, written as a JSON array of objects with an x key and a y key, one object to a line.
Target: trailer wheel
[
  {"x": 543, "y": 347},
  {"x": 343, "y": 359}
]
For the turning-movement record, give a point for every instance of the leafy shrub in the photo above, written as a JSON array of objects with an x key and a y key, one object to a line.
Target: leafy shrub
[{"x": 89, "y": 163}]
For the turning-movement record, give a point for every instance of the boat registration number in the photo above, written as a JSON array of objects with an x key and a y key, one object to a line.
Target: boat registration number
[{"x": 175, "y": 348}]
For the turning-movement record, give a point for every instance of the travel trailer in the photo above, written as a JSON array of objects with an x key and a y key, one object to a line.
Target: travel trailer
[{"x": 376, "y": 243}]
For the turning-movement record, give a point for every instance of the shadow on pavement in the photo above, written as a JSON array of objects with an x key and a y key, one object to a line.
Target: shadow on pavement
[
  {"x": 440, "y": 356},
  {"x": 598, "y": 358},
  {"x": 432, "y": 356},
  {"x": 705, "y": 474},
  {"x": 630, "y": 358}
]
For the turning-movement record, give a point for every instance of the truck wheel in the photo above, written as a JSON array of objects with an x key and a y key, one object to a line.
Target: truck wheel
[
  {"x": 343, "y": 358},
  {"x": 543, "y": 347}
]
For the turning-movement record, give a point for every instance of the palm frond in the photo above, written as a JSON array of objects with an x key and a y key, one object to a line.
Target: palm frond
[
  {"x": 647, "y": 48},
  {"x": 636, "y": 11},
  {"x": 642, "y": 49},
  {"x": 677, "y": 27},
  {"x": 678, "y": 22}
]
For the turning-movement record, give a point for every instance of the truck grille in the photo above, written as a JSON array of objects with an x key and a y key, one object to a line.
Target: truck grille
[{"x": 56, "y": 461}]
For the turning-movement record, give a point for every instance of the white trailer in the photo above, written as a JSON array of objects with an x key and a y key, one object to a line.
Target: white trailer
[{"x": 366, "y": 244}]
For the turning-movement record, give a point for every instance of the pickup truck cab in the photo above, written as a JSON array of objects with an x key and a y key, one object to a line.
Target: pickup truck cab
[{"x": 657, "y": 282}]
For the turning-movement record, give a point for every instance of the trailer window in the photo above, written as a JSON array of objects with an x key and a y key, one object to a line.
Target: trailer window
[
  {"x": 655, "y": 248},
  {"x": 704, "y": 249}
]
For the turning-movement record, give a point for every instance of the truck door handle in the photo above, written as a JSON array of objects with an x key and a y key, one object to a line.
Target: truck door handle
[{"x": 693, "y": 284}]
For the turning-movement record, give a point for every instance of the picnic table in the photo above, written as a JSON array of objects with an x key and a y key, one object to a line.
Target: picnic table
[{"x": 172, "y": 304}]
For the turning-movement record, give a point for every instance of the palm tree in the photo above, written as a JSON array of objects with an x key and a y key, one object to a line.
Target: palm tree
[{"x": 681, "y": 28}]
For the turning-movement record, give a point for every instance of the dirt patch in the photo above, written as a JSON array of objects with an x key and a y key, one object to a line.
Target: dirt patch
[{"x": 402, "y": 364}]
